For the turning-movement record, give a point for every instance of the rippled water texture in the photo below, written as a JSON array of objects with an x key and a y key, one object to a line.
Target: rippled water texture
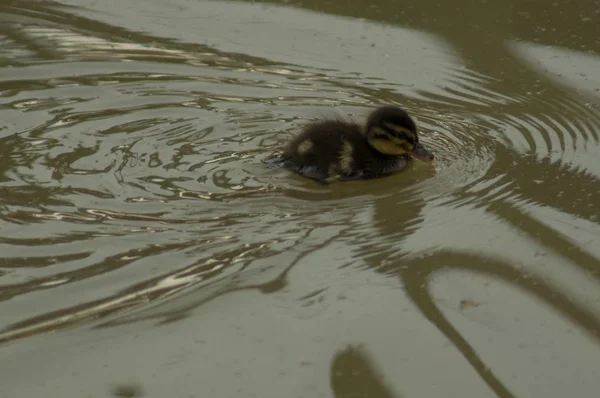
[{"x": 145, "y": 249}]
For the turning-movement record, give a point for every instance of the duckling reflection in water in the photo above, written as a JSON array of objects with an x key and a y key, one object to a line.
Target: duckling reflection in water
[{"x": 327, "y": 151}]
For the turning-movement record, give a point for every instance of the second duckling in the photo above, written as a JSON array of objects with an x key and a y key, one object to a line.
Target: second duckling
[{"x": 333, "y": 150}]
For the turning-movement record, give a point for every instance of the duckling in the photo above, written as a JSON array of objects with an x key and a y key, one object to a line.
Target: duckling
[{"x": 333, "y": 150}]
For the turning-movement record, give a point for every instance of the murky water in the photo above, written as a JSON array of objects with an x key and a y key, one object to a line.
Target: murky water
[{"x": 147, "y": 251}]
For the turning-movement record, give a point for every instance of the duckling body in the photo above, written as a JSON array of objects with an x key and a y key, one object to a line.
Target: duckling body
[{"x": 333, "y": 150}]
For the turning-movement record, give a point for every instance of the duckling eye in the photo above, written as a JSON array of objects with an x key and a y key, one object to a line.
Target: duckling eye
[
  {"x": 401, "y": 132},
  {"x": 383, "y": 136},
  {"x": 401, "y": 136}
]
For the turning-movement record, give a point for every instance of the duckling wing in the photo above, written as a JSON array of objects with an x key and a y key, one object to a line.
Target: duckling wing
[
  {"x": 323, "y": 150},
  {"x": 308, "y": 171},
  {"x": 313, "y": 172}
]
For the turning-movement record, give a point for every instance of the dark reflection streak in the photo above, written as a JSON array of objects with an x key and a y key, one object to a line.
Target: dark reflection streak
[
  {"x": 571, "y": 106},
  {"x": 561, "y": 123},
  {"x": 414, "y": 275},
  {"x": 35, "y": 196},
  {"x": 551, "y": 193},
  {"x": 26, "y": 261},
  {"x": 90, "y": 216},
  {"x": 539, "y": 129},
  {"x": 578, "y": 129},
  {"x": 181, "y": 312},
  {"x": 419, "y": 271},
  {"x": 353, "y": 375},
  {"x": 550, "y": 238},
  {"x": 16, "y": 152},
  {"x": 415, "y": 279},
  {"x": 71, "y": 316},
  {"x": 517, "y": 124},
  {"x": 61, "y": 164},
  {"x": 13, "y": 33},
  {"x": 554, "y": 124},
  {"x": 583, "y": 126},
  {"x": 560, "y": 187},
  {"x": 112, "y": 305},
  {"x": 591, "y": 128},
  {"x": 109, "y": 264},
  {"x": 50, "y": 241},
  {"x": 51, "y": 12},
  {"x": 128, "y": 298}
]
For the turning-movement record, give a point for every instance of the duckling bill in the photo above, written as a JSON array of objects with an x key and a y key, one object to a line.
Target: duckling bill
[{"x": 333, "y": 150}]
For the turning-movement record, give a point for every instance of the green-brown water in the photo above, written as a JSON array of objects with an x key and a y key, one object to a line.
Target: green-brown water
[{"x": 146, "y": 250}]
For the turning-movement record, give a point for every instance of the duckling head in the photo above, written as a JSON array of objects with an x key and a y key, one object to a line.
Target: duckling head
[{"x": 391, "y": 131}]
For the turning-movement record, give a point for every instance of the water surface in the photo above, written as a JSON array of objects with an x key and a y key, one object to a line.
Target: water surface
[{"x": 145, "y": 248}]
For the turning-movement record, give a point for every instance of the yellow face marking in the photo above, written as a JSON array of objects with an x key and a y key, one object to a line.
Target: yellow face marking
[
  {"x": 304, "y": 147},
  {"x": 387, "y": 147},
  {"x": 391, "y": 146},
  {"x": 345, "y": 157},
  {"x": 401, "y": 129}
]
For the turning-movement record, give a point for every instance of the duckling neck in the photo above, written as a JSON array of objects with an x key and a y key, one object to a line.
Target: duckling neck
[{"x": 384, "y": 163}]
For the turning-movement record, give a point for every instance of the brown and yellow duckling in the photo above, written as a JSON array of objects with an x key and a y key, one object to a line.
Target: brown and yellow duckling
[{"x": 333, "y": 150}]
